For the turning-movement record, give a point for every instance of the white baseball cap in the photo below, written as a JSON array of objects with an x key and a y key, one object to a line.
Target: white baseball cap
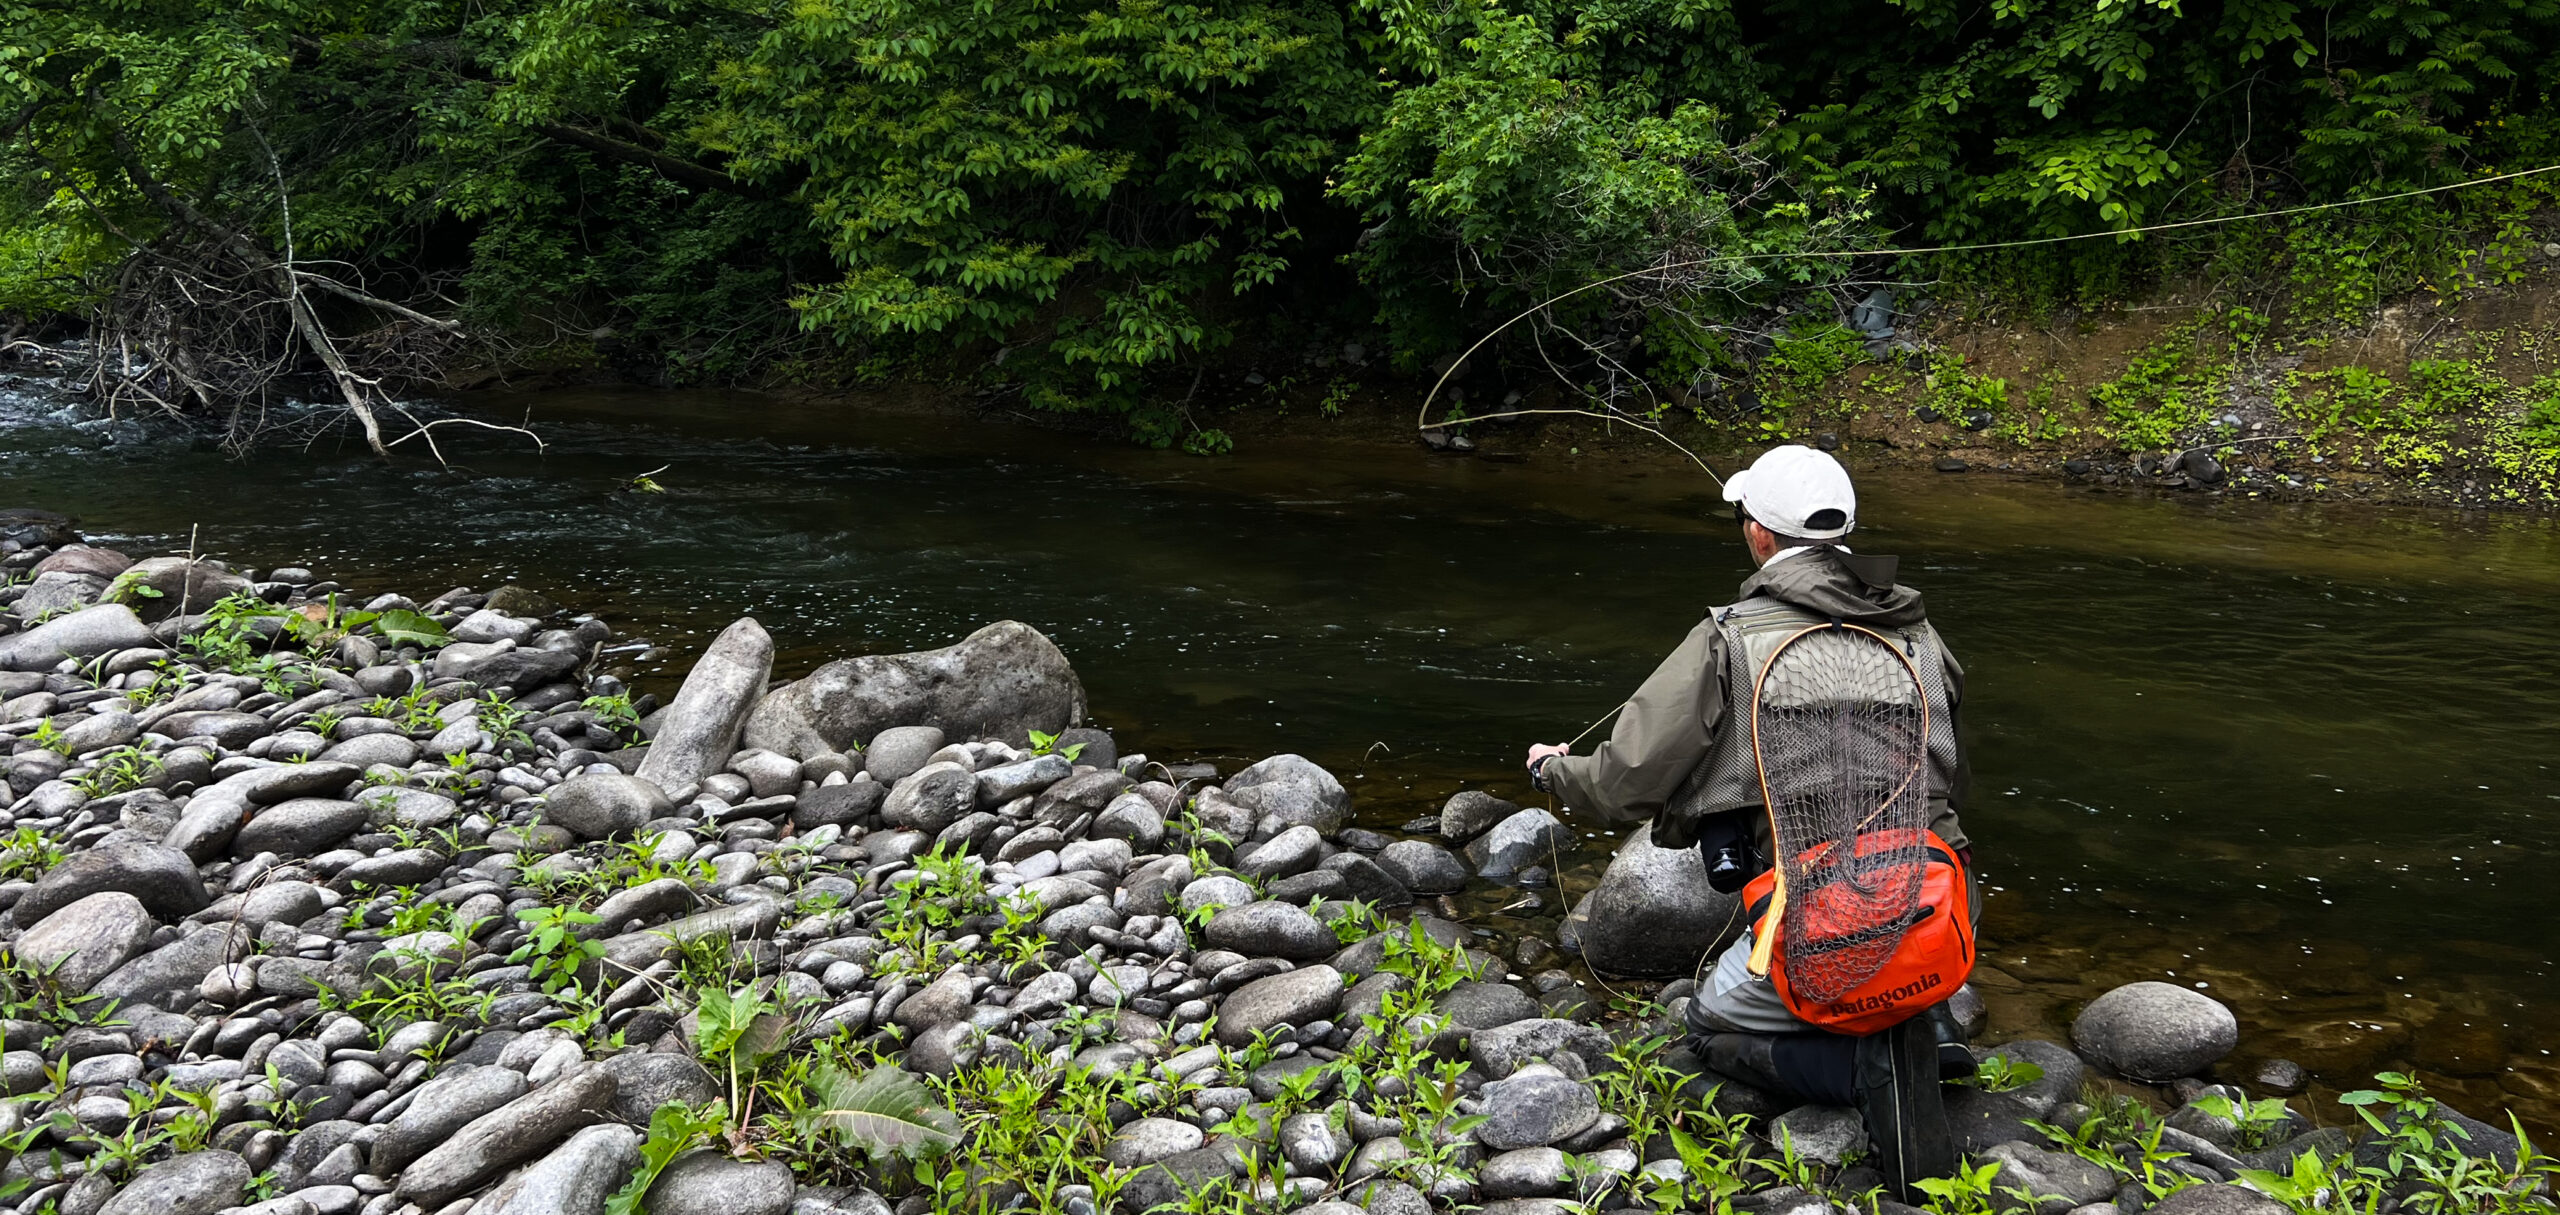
[{"x": 1796, "y": 491}]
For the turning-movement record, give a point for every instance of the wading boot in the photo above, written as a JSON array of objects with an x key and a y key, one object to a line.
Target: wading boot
[
  {"x": 1744, "y": 1057},
  {"x": 1955, "y": 1050},
  {"x": 1897, "y": 1088}
]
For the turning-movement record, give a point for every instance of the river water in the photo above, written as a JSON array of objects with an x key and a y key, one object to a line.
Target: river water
[{"x": 2298, "y": 756}]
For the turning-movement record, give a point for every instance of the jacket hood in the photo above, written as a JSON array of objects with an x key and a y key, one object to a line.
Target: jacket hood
[{"x": 1855, "y": 587}]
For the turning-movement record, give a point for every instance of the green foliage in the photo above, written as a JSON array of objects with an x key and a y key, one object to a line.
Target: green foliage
[
  {"x": 28, "y": 992},
  {"x": 615, "y": 713},
  {"x": 1087, "y": 200},
  {"x": 504, "y": 722},
  {"x": 400, "y": 626},
  {"x": 674, "y": 1129},
  {"x": 2259, "y": 1124},
  {"x": 121, "y": 770},
  {"x": 29, "y": 853},
  {"x": 227, "y": 640},
  {"x": 1958, "y": 391},
  {"x": 415, "y": 710},
  {"x": 552, "y": 948},
  {"x": 1087, "y": 179},
  {"x": 1802, "y": 360},
  {"x": 923, "y": 904},
  {"x": 734, "y": 1033},
  {"x": 48, "y": 736},
  {"x": 1968, "y": 1191},
  {"x": 2162, "y": 395},
  {"x": 2003, "y": 1074},
  {"x": 884, "y": 1112},
  {"x": 1047, "y": 744},
  {"x": 2423, "y": 1160}
]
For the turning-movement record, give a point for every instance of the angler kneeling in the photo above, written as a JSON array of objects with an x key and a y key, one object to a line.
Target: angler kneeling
[{"x": 1804, "y": 739}]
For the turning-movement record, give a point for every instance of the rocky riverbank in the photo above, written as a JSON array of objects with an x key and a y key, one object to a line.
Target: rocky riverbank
[{"x": 325, "y": 901}]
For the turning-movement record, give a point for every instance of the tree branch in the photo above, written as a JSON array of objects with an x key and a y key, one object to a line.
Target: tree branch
[
  {"x": 343, "y": 291},
  {"x": 675, "y": 169}
]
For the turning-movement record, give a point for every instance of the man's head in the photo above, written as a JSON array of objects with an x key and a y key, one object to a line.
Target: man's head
[{"x": 1790, "y": 497}]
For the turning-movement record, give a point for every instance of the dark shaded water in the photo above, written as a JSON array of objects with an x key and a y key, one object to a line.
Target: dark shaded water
[{"x": 2299, "y": 755}]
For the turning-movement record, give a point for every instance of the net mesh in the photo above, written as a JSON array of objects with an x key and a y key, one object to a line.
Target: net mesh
[{"x": 1840, "y": 726}]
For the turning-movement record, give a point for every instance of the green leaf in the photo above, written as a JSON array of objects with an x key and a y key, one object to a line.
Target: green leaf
[
  {"x": 673, "y": 1129},
  {"x": 884, "y": 1111},
  {"x": 400, "y": 626}
]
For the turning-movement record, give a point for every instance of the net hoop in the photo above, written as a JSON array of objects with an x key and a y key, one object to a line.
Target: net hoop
[{"x": 1765, "y": 938}]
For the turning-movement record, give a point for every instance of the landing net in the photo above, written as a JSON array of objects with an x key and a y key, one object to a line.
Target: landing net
[{"x": 1840, "y": 730}]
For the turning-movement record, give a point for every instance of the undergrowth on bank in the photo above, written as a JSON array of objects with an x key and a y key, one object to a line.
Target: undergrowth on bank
[{"x": 1023, "y": 1126}]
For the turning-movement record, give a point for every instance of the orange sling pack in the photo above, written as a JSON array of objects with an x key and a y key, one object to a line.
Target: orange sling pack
[{"x": 1935, "y": 958}]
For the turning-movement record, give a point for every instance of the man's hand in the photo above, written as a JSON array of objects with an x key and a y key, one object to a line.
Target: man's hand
[{"x": 1544, "y": 751}]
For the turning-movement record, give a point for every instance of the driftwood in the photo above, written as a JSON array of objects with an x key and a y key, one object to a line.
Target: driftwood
[{"x": 204, "y": 318}]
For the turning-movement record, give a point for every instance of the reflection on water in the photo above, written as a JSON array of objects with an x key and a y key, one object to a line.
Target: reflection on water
[{"x": 2297, "y": 755}]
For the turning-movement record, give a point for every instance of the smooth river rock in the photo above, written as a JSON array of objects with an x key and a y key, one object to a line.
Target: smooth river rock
[
  {"x": 1536, "y": 1107},
  {"x": 1272, "y": 929},
  {"x": 1003, "y": 681},
  {"x": 1295, "y": 790},
  {"x": 576, "y": 1178},
  {"x": 1296, "y": 997},
  {"x": 701, "y": 728},
  {"x": 602, "y": 805},
  {"x": 198, "y": 1183},
  {"x": 514, "y": 1132},
  {"x": 86, "y": 633},
  {"x": 2155, "y": 1031},
  {"x": 707, "y": 1182},
  {"x": 1653, "y": 913},
  {"x": 442, "y": 1106},
  {"x": 84, "y": 942}
]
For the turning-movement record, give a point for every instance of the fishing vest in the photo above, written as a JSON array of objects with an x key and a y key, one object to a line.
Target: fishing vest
[{"x": 1728, "y": 777}]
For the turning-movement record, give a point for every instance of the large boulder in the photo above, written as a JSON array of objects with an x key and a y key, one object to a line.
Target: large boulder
[
  {"x": 2155, "y": 1031},
  {"x": 1535, "y": 1107},
  {"x": 1003, "y": 681},
  {"x": 83, "y": 559},
  {"x": 2058, "y": 1181},
  {"x": 86, "y": 633},
  {"x": 601, "y": 805},
  {"x": 198, "y": 1183},
  {"x": 931, "y": 798},
  {"x": 575, "y": 1179},
  {"x": 301, "y": 827},
  {"x": 163, "y": 879},
  {"x": 59, "y": 591},
  {"x": 514, "y": 1132},
  {"x": 708, "y": 1182},
  {"x": 1295, "y": 790},
  {"x": 645, "y": 1080},
  {"x": 700, "y": 730},
  {"x": 1295, "y": 997},
  {"x": 1530, "y": 837},
  {"x": 504, "y": 664},
  {"x": 2217, "y": 1200},
  {"x": 1469, "y": 812},
  {"x": 1653, "y": 913},
  {"x": 1423, "y": 867},
  {"x": 1505, "y": 1049},
  {"x": 173, "y": 971},
  {"x": 443, "y": 1106},
  {"x": 82, "y": 943},
  {"x": 899, "y": 752},
  {"x": 161, "y": 587},
  {"x": 1272, "y": 929}
]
